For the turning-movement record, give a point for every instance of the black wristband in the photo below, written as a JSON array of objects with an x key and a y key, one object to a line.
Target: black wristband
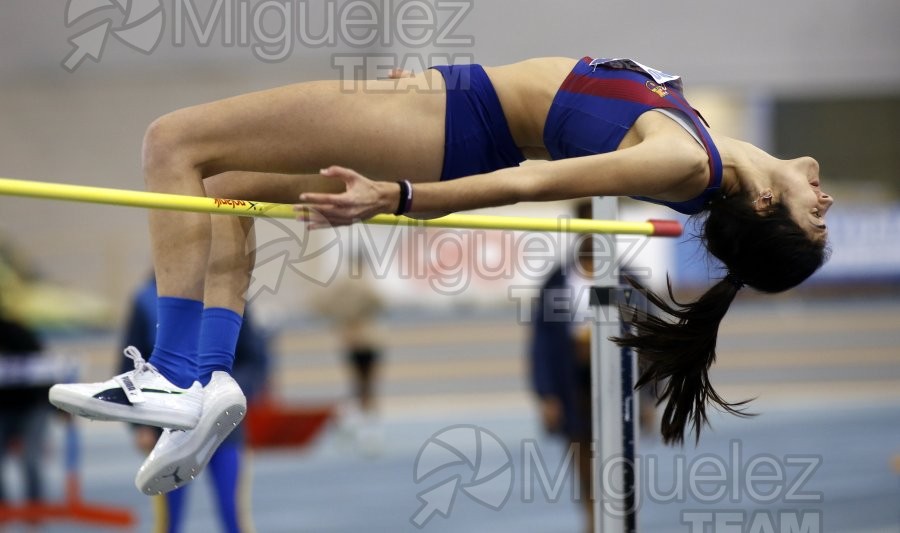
[{"x": 405, "y": 203}]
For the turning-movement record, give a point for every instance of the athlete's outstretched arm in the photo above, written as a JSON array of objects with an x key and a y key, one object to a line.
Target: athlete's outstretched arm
[{"x": 653, "y": 167}]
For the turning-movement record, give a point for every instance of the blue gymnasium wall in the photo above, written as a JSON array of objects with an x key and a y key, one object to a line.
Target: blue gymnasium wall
[{"x": 865, "y": 243}]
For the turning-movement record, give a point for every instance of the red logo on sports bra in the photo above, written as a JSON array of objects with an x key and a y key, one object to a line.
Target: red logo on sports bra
[{"x": 660, "y": 90}]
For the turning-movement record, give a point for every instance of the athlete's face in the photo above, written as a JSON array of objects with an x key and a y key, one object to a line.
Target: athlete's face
[{"x": 798, "y": 185}]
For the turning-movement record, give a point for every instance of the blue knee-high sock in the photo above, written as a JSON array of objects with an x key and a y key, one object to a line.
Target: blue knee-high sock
[
  {"x": 218, "y": 339},
  {"x": 177, "y": 333}
]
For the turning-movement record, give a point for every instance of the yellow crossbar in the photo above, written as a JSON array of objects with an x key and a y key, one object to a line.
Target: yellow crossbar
[{"x": 197, "y": 204}]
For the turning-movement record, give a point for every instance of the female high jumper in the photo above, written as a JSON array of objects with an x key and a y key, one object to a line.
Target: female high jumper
[{"x": 445, "y": 140}]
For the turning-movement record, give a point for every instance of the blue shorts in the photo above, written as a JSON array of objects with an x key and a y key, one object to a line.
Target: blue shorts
[{"x": 476, "y": 135}]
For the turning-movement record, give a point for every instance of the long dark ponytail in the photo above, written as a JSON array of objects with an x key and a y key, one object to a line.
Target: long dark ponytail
[{"x": 767, "y": 251}]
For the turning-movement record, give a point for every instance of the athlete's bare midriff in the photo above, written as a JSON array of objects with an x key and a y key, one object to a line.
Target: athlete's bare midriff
[{"x": 526, "y": 91}]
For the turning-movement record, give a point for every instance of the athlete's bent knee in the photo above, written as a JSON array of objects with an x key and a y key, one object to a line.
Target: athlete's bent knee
[{"x": 166, "y": 151}]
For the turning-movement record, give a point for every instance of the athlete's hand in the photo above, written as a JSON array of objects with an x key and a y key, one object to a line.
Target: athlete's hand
[
  {"x": 398, "y": 73},
  {"x": 362, "y": 199}
]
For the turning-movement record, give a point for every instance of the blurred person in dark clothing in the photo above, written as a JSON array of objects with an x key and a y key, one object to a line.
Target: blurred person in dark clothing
[
  {"x": 24, "y": 409},
  {"x": 560, "y": 353}
]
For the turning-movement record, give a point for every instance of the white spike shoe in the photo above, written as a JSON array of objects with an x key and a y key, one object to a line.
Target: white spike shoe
[
  {"x": 141, "y": 396},
  {"x": 180, "y": 456}
]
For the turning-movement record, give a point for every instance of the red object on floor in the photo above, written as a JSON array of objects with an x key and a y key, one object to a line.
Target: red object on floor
[
  {"x": 73, "y": 509},
  {"x": 273, "y": 425}
]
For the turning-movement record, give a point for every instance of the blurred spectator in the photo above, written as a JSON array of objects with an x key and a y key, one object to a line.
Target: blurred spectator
[
  {"x": 353, "y": 305},
  {"x": 24, "y": 409},
  {"x": 560, "y": 354},
  {"x": 225, "y": 467}
]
